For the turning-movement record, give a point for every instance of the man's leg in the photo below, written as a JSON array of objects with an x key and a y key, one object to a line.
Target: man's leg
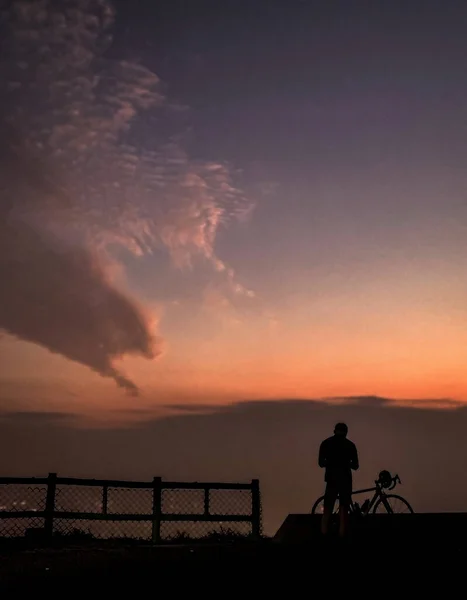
[
  {"x": 345, "y": 494},
  {"x": 329, "y": 501},
  {"x": 343, "y": 519}
]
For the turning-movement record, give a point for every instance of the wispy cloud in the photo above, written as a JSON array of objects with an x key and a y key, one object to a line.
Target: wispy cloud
[
  {"x": 79, "y": 107},
  {"x": 81, "y": 181}
]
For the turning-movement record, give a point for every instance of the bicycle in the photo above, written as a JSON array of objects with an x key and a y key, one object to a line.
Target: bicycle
[{"x": 380, "y": 503}]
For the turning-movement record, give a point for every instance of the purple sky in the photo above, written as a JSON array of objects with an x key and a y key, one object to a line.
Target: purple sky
[{"x": 219, "y": 202}]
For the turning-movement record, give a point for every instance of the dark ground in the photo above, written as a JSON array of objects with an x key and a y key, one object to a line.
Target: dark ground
[
  {"x": 124, "y": 569},
  {"x": 381, "y": 555}
]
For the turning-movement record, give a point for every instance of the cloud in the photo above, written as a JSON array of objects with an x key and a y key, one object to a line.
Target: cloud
[
  {"x": 86, "y": 171},
  {"x": 361, "y": 400},
  {"x": 36, "y": 418},
  {"x": 59, "y": 296},
  {"x": 140, "y": 190},
  {"x": 217, "y": 303}
]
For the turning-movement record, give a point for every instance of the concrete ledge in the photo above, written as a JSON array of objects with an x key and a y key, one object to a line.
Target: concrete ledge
[{"x": 303, "y": 528}]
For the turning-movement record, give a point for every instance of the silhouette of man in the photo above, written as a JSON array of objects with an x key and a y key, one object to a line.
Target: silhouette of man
[{"x": 339, "y": 457}]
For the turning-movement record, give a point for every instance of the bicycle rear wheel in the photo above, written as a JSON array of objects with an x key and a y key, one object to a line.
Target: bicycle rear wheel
[
  {"x": 318, "y": 507},
  {"x": 396, "y": 504}
]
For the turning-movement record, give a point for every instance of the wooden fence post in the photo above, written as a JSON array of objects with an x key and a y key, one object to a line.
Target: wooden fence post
[
  {"x": 206, "y": 501},
  {"x": 156, "y": 509},
  {"x": 255, "y": 509},
  {"x": 105, "y": 495},
  {"x": 50, "y": 505}
]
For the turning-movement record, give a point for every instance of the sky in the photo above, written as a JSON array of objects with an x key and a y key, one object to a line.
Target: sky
[{"x": 214, "y": 213}]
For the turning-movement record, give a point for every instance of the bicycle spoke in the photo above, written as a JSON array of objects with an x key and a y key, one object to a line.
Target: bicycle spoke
[{"x": 395, "y": 504}]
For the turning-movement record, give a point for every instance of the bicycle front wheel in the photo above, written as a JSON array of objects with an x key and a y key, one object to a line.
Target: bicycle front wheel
[{"x": 392, "y": 504}]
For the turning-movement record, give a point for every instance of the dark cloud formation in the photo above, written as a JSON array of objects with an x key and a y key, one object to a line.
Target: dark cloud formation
[
  {"x": 276, "y": 441},
  {"x": 75, "y": 184},
  {"x": 59, "y": 298},
  {"x": 58, "y": 295},
  {"x": 35, "y": 418}
]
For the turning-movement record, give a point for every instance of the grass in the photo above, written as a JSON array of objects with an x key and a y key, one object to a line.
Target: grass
[{"x": 82, "y": 537}]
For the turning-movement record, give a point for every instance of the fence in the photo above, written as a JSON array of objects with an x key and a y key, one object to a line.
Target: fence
[{"x": 154, "y": 511}]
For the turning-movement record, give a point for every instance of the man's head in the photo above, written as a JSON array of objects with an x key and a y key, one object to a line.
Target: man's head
[{"x": 341, "y": 429}]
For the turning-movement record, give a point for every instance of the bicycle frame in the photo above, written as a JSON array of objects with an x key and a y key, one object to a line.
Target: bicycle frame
[
  {"x": 379, "y": 493},
  {"x": 381, "y": 487}
]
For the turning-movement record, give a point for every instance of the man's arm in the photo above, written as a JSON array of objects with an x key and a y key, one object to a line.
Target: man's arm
[
  {"x": 354, "y": 458},
  {"x": 322, "y": 455}
]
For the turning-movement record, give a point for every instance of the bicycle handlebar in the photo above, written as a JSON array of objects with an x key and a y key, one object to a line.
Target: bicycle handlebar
[{"x": 394, "y": 481}]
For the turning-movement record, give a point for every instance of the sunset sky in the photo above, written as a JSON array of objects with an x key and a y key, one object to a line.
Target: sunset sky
[{"x": 223, "y": 202}]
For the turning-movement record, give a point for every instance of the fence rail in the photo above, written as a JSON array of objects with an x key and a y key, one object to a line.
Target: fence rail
[{"x": 149, "y": 509}]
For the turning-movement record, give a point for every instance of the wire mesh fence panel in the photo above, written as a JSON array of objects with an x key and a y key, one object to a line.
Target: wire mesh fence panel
[
  {"x": 20, "y": 527},
  {"x": 230, "y": 502},
  {"x": 20, "y": 497},
  {"x": 179, "y": 531},
  {"x": 78, "y": 498},
  {"x": 135, "y": 530},
  {"x": 137, "y": 501},
  {"x": 183, "y": 501},
  {"x": 82, "y": 529},
  {"x": 109, "y": 500}
]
